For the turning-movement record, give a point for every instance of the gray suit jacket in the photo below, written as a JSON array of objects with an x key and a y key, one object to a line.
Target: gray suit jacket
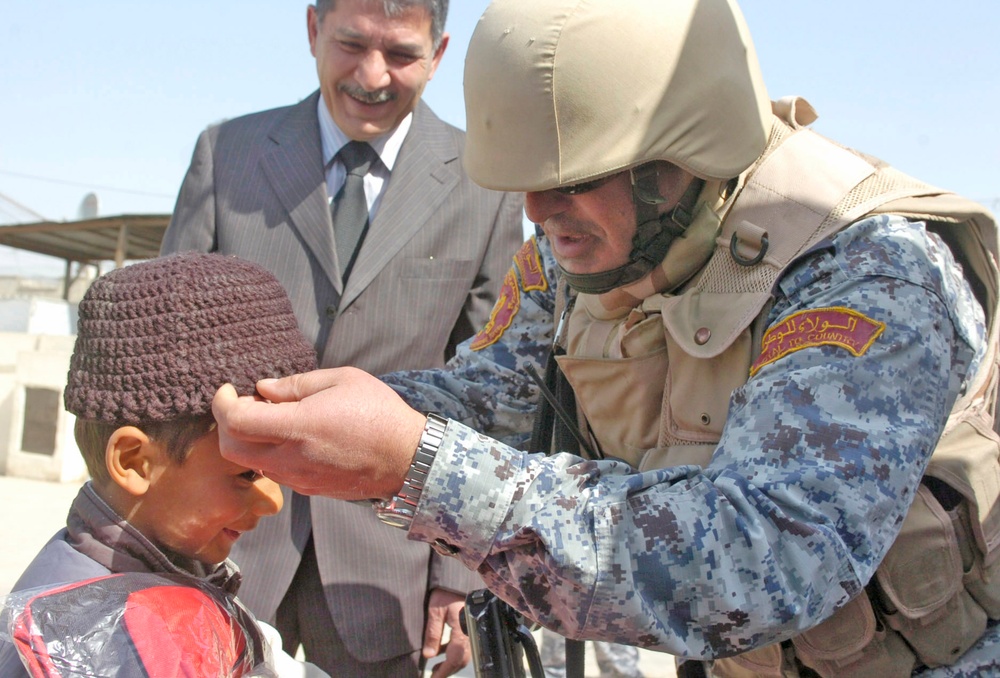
[{"x": 425, "y": 278}]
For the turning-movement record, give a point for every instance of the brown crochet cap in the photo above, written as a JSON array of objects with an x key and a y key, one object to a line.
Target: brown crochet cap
[{"x": 156, "y": 339}]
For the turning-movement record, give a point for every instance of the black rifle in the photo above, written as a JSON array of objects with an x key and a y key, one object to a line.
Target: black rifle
[{"x": 499, "y": 638}]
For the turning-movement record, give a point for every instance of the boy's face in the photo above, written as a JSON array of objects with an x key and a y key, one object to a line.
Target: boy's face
[{"x": 200, "y": 508}]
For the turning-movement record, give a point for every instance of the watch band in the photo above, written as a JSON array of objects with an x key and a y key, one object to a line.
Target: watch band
[{"x": 399, "y": 510}]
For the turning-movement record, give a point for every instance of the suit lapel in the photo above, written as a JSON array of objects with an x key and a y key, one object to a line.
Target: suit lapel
[
  {"x": 425, "y": 173},
  {"x": 294, "y": 167}
]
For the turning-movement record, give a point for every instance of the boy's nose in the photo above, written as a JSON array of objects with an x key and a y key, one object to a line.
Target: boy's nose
[{"x": 269, "y": 499}]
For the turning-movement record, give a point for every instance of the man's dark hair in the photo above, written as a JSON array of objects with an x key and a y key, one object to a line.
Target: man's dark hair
[{"x": 438, "y": 10}]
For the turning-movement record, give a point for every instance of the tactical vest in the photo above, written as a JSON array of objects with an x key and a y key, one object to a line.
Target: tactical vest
[{"x": 653, "y": 383}]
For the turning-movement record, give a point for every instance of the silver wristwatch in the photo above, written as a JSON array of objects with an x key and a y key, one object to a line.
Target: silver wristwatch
[{"x": 399, "y": 510}]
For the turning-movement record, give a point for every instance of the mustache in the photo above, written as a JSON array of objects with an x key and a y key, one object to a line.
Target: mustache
[
  {"x": 561, "y": 226},
  {"x": 379, "y": 96}
]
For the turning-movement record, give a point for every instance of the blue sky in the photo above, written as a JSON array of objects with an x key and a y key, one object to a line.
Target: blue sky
[{"x": 108, "y": 96}]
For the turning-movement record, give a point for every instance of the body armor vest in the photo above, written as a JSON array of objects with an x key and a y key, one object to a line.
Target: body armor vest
[{"x": 653, "y": 383}]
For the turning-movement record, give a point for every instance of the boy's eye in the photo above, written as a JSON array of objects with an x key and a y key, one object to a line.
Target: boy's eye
[{"x": 251, "y": 476}]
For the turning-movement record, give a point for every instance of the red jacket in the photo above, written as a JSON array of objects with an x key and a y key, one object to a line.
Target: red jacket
[{"x": 134, "y": 624}]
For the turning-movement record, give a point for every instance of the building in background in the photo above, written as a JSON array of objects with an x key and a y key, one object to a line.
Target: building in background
[{"x": 38, "y": 328}]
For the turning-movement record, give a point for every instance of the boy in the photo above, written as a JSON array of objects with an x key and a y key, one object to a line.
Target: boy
[{"x": 155, "y": 341}]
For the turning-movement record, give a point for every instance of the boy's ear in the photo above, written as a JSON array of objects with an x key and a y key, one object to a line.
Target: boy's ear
[{"x": 130, "y": 457}]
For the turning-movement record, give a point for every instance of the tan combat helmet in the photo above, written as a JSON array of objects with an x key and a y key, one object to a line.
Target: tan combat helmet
[{"x": 558, "y": 92}]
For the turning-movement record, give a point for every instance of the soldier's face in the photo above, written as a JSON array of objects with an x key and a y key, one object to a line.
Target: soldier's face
[
  {"x": 590, "y": 231},
  {"x": 591, "y": 225}
]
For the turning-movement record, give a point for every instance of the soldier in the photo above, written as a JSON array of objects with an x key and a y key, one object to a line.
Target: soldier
[{"x": 773, "y": 369}]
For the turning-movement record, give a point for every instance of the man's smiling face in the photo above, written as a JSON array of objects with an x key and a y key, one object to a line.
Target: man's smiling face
[{"x": 372, "y": 68}]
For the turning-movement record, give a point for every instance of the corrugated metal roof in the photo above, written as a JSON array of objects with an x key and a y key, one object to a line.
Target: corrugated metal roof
[{"x": 119, "y": 238}]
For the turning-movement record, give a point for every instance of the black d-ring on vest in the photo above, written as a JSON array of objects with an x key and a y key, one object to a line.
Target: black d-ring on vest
[{"x": 743, "y": 261}]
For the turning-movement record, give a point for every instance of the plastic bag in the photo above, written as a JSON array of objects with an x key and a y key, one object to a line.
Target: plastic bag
[{"x": 134, "y": 624}]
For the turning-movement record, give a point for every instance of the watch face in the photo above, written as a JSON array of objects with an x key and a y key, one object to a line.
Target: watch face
[{"x": 390, "y": 515}]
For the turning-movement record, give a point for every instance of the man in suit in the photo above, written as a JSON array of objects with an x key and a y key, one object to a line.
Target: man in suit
[{"x": 359, "y": 597}]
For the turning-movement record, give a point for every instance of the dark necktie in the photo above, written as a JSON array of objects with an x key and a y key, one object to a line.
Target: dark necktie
[{"x": 350, "y": 207}]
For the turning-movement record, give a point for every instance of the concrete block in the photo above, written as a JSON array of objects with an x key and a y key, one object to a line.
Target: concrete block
[
  {"x": 6, "y": 406},
  {"x": 40, "y": 442},
  {"x": 56, "y": 342},
  {"x": 11, "y": 344},
  {"x": 38, "y": 316}
]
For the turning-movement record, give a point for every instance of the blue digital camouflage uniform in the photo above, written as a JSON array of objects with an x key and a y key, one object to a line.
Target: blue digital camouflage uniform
[{"x": 819, "y": 460}]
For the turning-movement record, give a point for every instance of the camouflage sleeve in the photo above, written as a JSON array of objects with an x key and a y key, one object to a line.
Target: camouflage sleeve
[
  {"x": 486, "y": 385},
  {"x": 818, "y": 462}
]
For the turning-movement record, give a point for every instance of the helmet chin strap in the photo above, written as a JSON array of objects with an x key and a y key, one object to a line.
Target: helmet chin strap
[{"x": 654, "y": 233}]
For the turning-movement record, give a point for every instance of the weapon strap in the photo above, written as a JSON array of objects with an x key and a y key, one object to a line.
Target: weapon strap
[{"x": 556, "y": 428}]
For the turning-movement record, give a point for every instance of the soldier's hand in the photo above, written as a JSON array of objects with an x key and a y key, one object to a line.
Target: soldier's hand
[{"x": 340, "y": 433}]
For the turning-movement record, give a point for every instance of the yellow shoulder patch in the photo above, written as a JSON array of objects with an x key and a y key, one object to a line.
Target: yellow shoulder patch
[
  {"x": 528, "y": 264},
  {"x": 835, "y": 326}
]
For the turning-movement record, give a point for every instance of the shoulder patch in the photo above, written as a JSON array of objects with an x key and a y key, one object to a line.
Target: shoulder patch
[
  {"x": 834, "y": 326},
  {"x": 502, "y": 315},
  {"x": 529, "y": 265}
]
